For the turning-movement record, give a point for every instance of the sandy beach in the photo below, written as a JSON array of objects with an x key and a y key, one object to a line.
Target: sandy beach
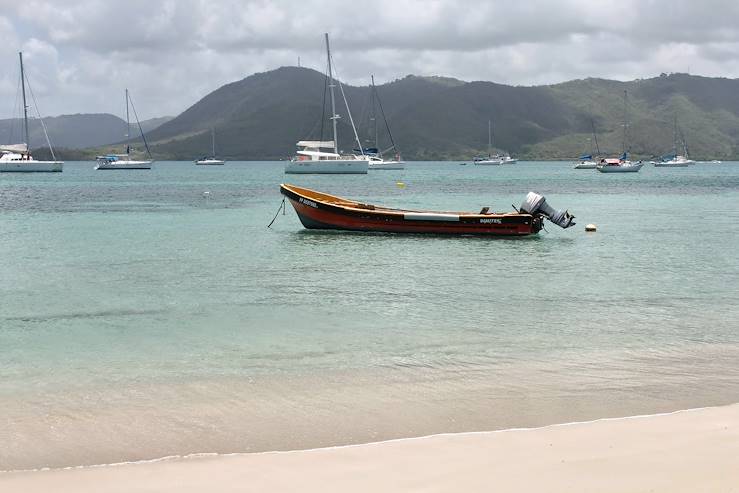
[{"x": 694, "y": 450}]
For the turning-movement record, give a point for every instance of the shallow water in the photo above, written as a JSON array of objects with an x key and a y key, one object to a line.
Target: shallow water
[{"x": 141, "y": 316}]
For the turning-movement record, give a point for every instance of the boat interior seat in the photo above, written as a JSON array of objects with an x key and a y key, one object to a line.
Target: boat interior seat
[{"x": 485, "y": 210}]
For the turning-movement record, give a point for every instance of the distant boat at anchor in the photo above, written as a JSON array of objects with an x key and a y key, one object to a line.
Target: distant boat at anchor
[
  {"x": 16, "y": 158},
  {"x": 313, "y": 159},
  {"x": 124, "y": 161},
  {"x": 212, "y": 160},
  {"x": 621, "y": 164}
]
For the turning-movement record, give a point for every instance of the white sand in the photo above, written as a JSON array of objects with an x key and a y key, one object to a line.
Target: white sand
[{"x": 689, "y": 451}]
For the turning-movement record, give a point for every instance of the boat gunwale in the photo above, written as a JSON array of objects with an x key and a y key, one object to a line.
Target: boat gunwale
[{"x": 353, "y": 206}]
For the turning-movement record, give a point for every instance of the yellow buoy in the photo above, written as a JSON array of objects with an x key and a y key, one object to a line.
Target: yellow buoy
[
  {"x": 400, "y": 184},
  {"x": 590, "y": 228}
]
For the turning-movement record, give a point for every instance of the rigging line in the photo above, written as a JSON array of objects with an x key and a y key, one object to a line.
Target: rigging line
[
  {"x": 143, "y": 137},
  {"x": 43, "y": 125},
  {"x": 346, "y": 103},
  {"x": 281, "y": 207},
  {"x": 387, "y": 126}
]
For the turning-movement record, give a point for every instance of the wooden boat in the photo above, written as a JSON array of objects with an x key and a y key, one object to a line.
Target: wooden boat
[{"x": 318, "y": 210}]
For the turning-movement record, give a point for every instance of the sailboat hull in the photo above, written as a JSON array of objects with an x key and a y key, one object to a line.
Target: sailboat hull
[
  {"x": 327, "y": 167},
  {"x": 388, "y": 165},
  {"x": 210, "y": 162},
  {"x": 124, "y": 165},
  {"x": 31, "y": 166},
  {"x": 619, "y": 168}
]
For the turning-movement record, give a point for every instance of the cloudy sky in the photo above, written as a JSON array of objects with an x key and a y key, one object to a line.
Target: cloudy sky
[{"x": 81, "y": 54}]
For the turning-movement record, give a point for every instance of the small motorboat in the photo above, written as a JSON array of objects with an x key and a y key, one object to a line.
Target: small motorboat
[{"x": 318, "y": 210}]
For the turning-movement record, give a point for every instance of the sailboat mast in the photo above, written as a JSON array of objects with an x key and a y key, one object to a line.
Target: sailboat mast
[
  {"x": 595, "y": 137},
  {"x": 213, "y": 140},
  {"x": 25, "y": 106},
  {"x": 334, "y": 116},
  {"x": 373, "y": 116},
  {"x": 128, "y": 127},
  {"x": 626, "y": 123}
]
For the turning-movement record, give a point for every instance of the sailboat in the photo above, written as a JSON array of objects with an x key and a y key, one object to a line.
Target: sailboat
[
  {"x": 375, "y": 154},
  {"x": 311, "y": 159},
  {"x": 587, "y": 161},
  {"x": 675, "y": 160},
  {"x": 17, "y": 157},
  {"x": 490, "y": 160},
  {"x": 621, "y": 164},
  {"x": 212, "y": 159},
  {"x": 124, "y": 161}
]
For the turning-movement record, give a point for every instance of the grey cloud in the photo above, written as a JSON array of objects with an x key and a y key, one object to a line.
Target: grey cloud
[{"x": 82, "y": 53}]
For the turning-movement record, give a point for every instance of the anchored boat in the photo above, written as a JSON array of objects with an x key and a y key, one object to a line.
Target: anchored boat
[
  {"x": 318, "y": 210},
  {"x": 17, "y": 157}
]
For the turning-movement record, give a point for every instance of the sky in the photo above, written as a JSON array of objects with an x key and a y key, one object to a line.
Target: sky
[{"x": 80, "y": 55}]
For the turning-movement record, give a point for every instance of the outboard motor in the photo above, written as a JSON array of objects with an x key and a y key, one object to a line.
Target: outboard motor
[{"x": 537, "y": 204}]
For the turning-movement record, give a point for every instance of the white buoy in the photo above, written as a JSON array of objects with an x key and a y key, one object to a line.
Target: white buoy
[
  {"x": 206, "y": 193},
  {"x": 590, "y": 228}
]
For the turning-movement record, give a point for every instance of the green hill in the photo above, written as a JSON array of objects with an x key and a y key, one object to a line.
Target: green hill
[{"x": 265, "y": 114}]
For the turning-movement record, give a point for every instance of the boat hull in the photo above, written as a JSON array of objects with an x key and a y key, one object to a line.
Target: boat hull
[
  {"x": 628, "y": 168},
  {"x": 31, "y": 166},
  {"x": 124, "y": 165},
  {"x": 489, "y": 162},
  {"x": 386, "y": 165},
  {"x": 327, "y": 167},
  {"x": 586, "y": 165},
  {"x": 210, "y": 162},
  {"x": 316, "y": 213}
]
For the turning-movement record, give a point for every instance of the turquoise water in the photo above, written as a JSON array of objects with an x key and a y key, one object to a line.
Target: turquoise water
[{"x": 151, "y": 313}]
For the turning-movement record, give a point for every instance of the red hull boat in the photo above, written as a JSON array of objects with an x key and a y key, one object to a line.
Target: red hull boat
[{"x": 318, "y": 210}]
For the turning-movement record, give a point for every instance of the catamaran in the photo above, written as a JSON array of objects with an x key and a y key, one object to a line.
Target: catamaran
[
  {"x": 124, "y": 161},
  {"x": 16, "y": 158},
  {"x": 212, "y": 160},
  {"x": 311, "y": 159},
  {"x": 621, "y": 164},
  {"x": 375, "y": 154}
]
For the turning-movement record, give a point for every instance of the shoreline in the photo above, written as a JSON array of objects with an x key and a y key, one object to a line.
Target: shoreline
[
  {"x": 197, "y": 455},
  {"x": 660, "y": 439}
]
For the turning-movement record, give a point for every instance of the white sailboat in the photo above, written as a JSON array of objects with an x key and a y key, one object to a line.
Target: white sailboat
[
  {"x": 490, "y": 160},
  {"x": 311, "y": 159},
  {"x": 375, "y": 154},
  {"x": 675, "y": 160},
  {"x": 124, "y": 161},
  {"x": 587, "y": 161},
  {"x": 212, "y": 160},
  {"x": 621, "y": 164},
  {"x": 16, "y": 158}
]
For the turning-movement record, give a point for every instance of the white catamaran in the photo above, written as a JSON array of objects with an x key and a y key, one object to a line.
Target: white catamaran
[
  {"x": 212, "y": 160},
  {"x": 124, "y": 161},
  {"x": 17, "y": 157},
  {"x": 311, "y": 159}
]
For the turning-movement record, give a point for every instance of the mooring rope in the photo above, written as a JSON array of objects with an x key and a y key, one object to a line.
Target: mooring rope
[{"x": 282, "y": 206}]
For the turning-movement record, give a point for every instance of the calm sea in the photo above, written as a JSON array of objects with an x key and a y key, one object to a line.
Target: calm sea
[{"x": 152, "y": 313}]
